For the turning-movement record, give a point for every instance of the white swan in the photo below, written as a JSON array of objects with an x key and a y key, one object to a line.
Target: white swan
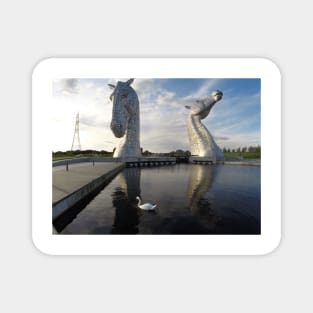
[{"x": 146, "y": 206}]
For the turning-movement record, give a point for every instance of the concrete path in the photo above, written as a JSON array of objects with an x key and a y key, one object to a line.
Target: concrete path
[{"x": 72, "y": 185}]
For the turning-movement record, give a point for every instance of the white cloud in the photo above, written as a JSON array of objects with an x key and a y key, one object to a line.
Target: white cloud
[{"x": 207, "y": 87}]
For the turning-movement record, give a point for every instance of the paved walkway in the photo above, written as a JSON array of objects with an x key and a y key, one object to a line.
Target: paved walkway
[
  {"x": 72, "y": 185},
  {"x": 78, "y": 175}
]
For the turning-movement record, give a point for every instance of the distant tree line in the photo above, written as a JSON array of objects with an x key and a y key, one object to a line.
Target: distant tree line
[
  {"x": 82, "y": 153},
  {"x": 252, "y": 152},
  {"x": 103, "y": 153},
  {"x": 243, "y": 149}
]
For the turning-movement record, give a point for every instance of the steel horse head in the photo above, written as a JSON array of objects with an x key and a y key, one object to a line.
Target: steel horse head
[{"x": 125, "y": 118}]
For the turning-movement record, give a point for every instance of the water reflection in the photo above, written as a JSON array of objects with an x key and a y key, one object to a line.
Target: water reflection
[
  {"x": 191, "y": 199},
  {"x": 200, "y": 181},
  {"x": 200, "y": 217},
  {"x": 127, "y": 214}
]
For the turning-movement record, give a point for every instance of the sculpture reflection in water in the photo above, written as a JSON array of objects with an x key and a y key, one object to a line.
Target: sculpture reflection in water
[
  {"x": 214, "y": 217},
  {"x": 127, "y": 214},
  {"x": 193, "y": 199},
  {"x": 201, "y": 217},
  {"x": 200, "y": 200}
]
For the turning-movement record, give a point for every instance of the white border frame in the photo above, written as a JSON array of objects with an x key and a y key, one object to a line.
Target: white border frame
[{"x": 49, "y": 69}]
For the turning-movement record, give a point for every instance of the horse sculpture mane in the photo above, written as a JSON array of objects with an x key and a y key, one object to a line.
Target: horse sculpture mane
[
  {"x": 125, "y": 122},
  {"x": 201, "y": 141}
]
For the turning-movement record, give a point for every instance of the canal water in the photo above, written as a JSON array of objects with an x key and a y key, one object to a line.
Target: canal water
[{"x": 191, "y": 199}]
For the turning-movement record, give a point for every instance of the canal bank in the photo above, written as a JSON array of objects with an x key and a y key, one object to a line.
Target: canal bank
[{"x": 72, "y": 183}]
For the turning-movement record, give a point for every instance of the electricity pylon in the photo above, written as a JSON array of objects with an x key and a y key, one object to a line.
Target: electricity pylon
[{"x": 76, "y": 134}]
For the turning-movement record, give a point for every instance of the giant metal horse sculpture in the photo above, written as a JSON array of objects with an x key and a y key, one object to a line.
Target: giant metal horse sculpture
[
  {"x": 201, "y": 141},
  {"x": 125, "y": 119}
]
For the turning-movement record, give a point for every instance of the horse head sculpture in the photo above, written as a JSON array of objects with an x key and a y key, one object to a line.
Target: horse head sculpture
[
  {"x": 203, "y": 107},
  {"x": 125, "y": 119},
  {"x": 201, "y": 141}
]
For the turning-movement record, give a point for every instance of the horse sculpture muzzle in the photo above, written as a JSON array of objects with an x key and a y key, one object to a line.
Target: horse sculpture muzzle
[{"x": 117, "y": 129}]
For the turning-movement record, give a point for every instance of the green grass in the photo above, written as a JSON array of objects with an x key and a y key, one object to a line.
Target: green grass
[
  {"x": 55, "y": 158},
  {"x": 246, "y": 155},
  {"x": 59, "y": 156}
]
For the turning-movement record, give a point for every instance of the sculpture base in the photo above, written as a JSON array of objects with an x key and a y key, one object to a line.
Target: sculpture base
[
  {"x": 204, "y": 160},
  {"x": 146, "y": 161}
]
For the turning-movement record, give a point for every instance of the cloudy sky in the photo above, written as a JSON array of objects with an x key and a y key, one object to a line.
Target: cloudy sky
[{"x": 234, "y": 121}]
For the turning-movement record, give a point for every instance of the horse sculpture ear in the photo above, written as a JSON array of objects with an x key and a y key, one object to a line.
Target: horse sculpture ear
[
  {"x": 130, "y": 81},
  {"x": 111, "y": 86}
]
